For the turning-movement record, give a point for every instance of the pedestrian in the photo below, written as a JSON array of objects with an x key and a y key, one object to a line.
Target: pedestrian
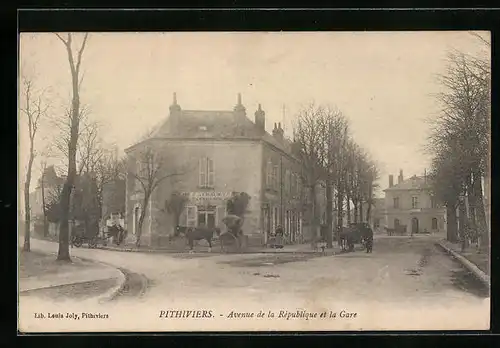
[{"x": 279, "y": 237}]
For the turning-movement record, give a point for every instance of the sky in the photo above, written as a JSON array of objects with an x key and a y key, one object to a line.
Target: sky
[{"x": 383, "y": 82}]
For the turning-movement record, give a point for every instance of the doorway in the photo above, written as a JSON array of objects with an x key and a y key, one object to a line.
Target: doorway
[{"x": 414, "y": 225}]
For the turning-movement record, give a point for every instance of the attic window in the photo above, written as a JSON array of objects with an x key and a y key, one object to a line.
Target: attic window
[{"x": 203, "y": 128}]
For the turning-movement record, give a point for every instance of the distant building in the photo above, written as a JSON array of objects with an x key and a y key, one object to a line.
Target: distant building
[
  {"x": 410, "y": 205},
  {"x": 378, "y": 214},
  {"x": 225, "y": 152}
]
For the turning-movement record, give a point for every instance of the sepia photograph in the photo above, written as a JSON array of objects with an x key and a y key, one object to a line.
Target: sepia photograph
[{"x": 254, "y": 181}]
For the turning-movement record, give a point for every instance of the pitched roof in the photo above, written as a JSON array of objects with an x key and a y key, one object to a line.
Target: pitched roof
[
  {"x": 413, "y": 183},
  {"x": 214, "y": 124}
]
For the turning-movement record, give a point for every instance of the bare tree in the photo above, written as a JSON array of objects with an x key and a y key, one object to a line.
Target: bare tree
[
  {"x": 152, "y": 168},
  {"x": 308, "y": 137},
  {"x": 75, "y": 111},
  {"x": 34, "y": 108},
  {"x": 459, "y": 139}
]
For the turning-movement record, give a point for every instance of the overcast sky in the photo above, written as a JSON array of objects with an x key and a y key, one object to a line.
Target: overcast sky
[{"x": 382, "y": 81}]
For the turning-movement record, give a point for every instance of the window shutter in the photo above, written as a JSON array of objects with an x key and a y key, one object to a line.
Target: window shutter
[
  {"x": 211, "y": 172},
  {"x": 203, "y": 175},
  {"x": 191, "y": 216}
]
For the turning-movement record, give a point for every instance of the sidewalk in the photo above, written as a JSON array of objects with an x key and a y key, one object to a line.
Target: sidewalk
[
  {"x": 476, "y": 263},
  {"x": 41, "y": 271}
]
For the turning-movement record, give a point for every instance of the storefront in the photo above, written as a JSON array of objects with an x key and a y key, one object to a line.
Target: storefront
[{"x": 205, "y": 209}]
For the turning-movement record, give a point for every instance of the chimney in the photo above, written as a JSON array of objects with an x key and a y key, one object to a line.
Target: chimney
[
  {"x": 260, "y": 119},
  {"x": 278, "y": 132},
  {"x": 239, "y": 109},
  {"x": 391, "y": 180},
  {"x": 174, "y": 108},
  {"x": 175, "y": 111},
  {"x": 400, "y": 177}
]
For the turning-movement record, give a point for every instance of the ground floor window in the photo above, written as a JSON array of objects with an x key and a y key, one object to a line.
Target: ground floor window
[{"x": 206, "y": 216}]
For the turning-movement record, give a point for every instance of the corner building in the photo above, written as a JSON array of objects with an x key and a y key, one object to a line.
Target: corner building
[{"x": 224, "y": 152}]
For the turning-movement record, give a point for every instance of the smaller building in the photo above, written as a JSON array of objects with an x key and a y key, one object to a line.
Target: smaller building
[{"x": 410, "y": 206}]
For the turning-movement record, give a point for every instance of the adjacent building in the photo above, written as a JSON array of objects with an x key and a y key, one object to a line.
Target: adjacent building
[
  {"x": 411, "y": 207},
  {"x": 218, "y": 153}
]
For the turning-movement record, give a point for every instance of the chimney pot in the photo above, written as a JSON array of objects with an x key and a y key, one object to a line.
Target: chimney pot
[{"x": 391, "y": 180}]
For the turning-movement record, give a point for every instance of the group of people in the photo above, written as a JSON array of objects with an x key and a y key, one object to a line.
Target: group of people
[{"x": 277, "y": 238}]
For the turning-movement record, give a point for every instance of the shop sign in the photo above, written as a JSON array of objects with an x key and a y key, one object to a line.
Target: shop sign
[{"x": 201, "y": 196}]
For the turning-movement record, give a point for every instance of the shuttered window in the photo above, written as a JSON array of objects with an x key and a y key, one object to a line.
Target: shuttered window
[
  {"x": 206, "y": 172},
  {"x": 191, "y": 216},
  {"x": 203, "y": 172}
]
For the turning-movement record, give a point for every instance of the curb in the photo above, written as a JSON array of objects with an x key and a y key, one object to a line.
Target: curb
[
  {"x": 483, "y": 277},
  {"x": 113, "y": 292},
  {"x": 156, "y": 251}
]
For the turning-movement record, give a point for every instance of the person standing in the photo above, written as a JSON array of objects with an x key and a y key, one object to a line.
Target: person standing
[{"x": 279, "y": 237}]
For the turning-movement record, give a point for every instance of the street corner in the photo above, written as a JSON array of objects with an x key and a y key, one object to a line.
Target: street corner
[{"x": 42, "y": 276}]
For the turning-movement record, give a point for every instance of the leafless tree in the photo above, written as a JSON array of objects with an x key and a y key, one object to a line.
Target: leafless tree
[
  {"x": 152, "y": 168},
  {"x": 459, "y": 138},
  {"x": 308, "y": 136},
  {"x": 75, "y": 112},
  {"x": 34, "y": 108}
]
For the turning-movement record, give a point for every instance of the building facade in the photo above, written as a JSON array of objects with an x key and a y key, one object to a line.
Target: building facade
[
  {"x": 410, "y": 206},
  {"x": 214, "y": 154}
]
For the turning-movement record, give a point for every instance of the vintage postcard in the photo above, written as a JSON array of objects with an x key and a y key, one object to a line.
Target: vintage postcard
[{"x": 254, "y": 181}]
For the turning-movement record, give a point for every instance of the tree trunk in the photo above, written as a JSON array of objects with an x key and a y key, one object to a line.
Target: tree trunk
[
  {"x": 139, "y": 228},
  {"x": 44, "y": 208},
  {"x": 63, "y": 253},
  {"x": 370, "y": 203},
  {"x": 329, "y": 213},
  {"x": 480, "y": 213},
  {"x": 356, "y": 211},
  {"x": 340, "y": 212},
  {"x": 27, "y": 208},
  {"x": 451, "y": 223},
  {"x": 314, "y": 220},
  {"x": 348, "y": 208},
  {"x": 471, "y": 200},
  {"x": 141, "y": 219},
  {"x": 361, "y": 211},
  {"x": 462, "y": 230}
]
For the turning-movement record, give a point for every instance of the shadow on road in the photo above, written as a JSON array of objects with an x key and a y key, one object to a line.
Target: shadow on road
[
  {"x": 271, "y": 260},
  {"x": 464, "y": 280}
]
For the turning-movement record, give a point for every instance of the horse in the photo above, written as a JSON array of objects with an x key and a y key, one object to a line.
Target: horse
[
  {"x": 366, "y": 237},
  {"x": 346, "y": 239},
  {"x": 196, "y": 233}
]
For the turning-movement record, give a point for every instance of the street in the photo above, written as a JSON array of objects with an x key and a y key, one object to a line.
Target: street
[{"x": 402, "y": 275}]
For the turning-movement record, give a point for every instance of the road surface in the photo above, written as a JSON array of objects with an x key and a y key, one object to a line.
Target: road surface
[{"x": 406, "y": 282}]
